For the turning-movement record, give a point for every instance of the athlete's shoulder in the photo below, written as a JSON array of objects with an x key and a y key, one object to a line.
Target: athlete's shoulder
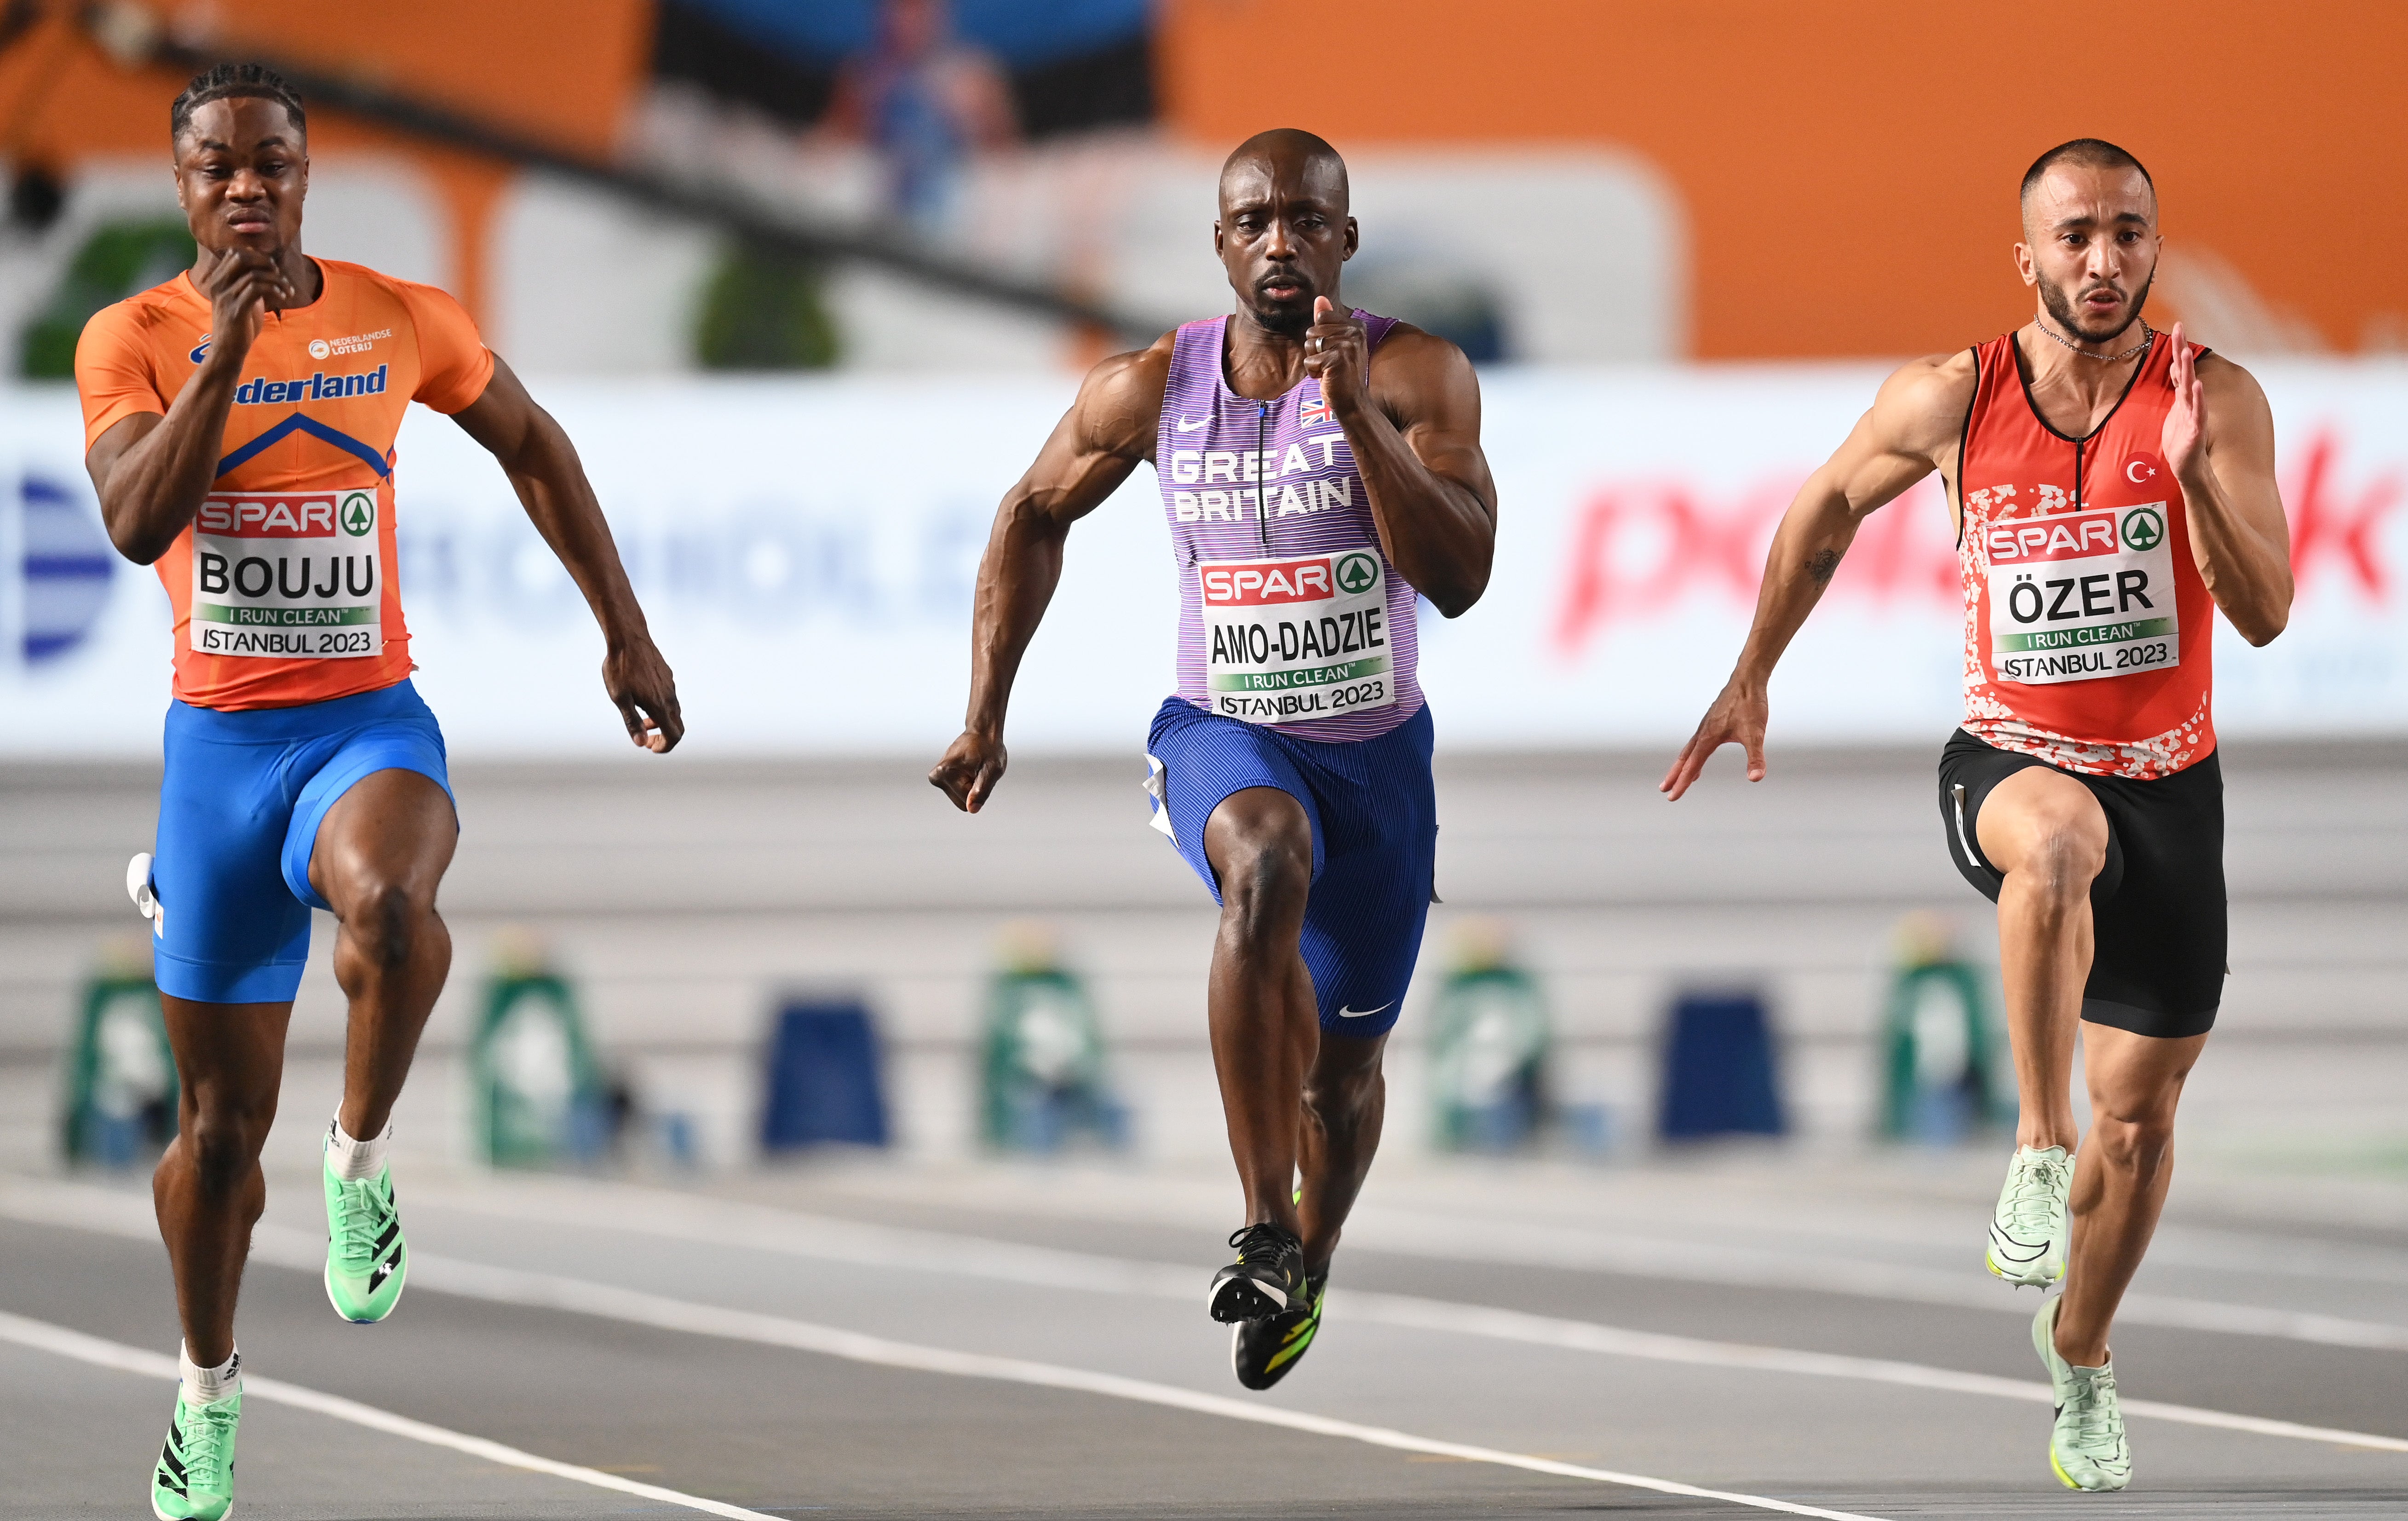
[
  {"x": 1120, "y": 398},
  {"x": 1409, "y": 345},
  {"x": 2226, "y": 379},
  {"x": 144, "y": 312},
  {"x": 1922, "y": 404}
]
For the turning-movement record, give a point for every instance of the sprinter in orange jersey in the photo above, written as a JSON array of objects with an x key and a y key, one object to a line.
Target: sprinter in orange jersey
[
  {"x": 2115, "y": 491},
  {"x": 240, "y": 423}
]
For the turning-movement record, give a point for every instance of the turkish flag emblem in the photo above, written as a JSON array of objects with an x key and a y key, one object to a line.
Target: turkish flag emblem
[{"x": 2144, "y": 470}]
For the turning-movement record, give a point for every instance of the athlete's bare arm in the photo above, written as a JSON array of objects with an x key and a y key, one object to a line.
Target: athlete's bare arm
[
  {"x": 1412, "y": 419},
  {"x": 535, "y": 452},
  {"x": 1914, "y": 427},
  {"x": 2219, "y": 444},
  {"x": 1107, "y": 433},
  {"x": 152, "y": 472}
]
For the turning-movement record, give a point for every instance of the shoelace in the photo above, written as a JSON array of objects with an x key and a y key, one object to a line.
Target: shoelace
[
  {"x": 2033, "y": 1204},
  {"x": 1268, "y": 1239},
  {"x": 206, "y": 1434},
  {"x": 2097, "y": 1418},
  {"x": 365, "y": 1216}
]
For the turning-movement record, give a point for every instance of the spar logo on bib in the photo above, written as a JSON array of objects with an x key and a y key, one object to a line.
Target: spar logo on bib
[
  {"x": 2143, "y": 529},
  {"x": 1357, "y": 572},
  {"x": 357, "y": 513}
]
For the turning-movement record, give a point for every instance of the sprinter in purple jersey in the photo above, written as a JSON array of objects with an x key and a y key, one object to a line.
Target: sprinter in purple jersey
[{"x": 1320, "y": 471}]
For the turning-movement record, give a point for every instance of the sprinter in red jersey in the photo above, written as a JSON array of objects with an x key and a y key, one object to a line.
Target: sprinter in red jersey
[
  {"x": 2113, "y": 488},
  {"x": 239, "y": 423}
]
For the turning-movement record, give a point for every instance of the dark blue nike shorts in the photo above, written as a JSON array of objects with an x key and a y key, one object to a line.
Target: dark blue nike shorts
[{"x": 1374, "y": 816}]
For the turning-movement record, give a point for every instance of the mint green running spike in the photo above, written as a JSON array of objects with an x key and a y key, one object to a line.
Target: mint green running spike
[
  {"x": 2028, "y": 1233},
  {"x": 2086, "y": 1449},
  {"x": 366, "y": 1256},
  {"x": 193, "y": 1479}
]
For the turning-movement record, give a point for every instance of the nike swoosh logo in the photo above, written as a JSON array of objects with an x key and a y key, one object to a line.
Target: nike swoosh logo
[
  {"x": 1344, "y": 1012},
  {"x": 1185, "y": 426}
]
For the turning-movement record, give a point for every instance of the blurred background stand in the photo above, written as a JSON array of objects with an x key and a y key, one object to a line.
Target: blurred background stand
[
  {"x": 1721, "y": 1074},
  {"x": 826, "y": 1077},
  {"x": 120, "y": 1091},
  {"x": 1942, "y": 1075},
  {"x": 541, "y": 1096},
  {"x": 1491, "y": 1043},
  {"x": 1043, "y": 1082}
]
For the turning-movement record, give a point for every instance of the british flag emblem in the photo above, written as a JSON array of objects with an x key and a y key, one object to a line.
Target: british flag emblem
[{"x": 1316, "y": 406}]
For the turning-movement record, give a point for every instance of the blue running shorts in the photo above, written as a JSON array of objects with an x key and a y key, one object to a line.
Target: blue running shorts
[
  {"x": 1374, "y": 815},
  {"x": 238, "y": 815}
]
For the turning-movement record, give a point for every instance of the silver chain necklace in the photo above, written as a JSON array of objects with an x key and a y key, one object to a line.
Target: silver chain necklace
[{"x": 2147, "y": 336}]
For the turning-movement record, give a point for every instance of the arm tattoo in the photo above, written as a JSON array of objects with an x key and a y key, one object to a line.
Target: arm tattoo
[{"x": 1821, "y": 565}]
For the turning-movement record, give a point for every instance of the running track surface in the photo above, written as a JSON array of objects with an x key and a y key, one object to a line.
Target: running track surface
[{"x": 1804, "y": 1337}]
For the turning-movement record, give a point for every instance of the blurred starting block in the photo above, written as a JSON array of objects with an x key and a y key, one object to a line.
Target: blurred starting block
[
  {"x": 825, "y": 1083},
  {"x": 1720, "y": 1075},
  {"x": 1042, "y": 1074},
  {"x": 1940, "y": 1074},
  {"x": 539, "y": 1095},
  {"x": 120, "y": 1090},
  {"x": 1491, "y": 1043}
]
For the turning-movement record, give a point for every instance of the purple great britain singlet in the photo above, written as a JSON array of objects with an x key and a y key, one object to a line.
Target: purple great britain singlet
[{"x": 1288, "y": 613}]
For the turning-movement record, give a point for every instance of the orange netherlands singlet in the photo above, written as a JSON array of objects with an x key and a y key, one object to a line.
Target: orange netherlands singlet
[
  {"x": 2086, "y": 621},
  {"x": 283, "y": 584}
]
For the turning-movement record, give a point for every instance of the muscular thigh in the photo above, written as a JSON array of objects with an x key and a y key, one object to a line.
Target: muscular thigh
[{"x": 390, "y": 830}]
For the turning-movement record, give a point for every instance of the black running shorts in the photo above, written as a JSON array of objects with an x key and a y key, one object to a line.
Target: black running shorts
[{"x": 2157, "y": 907}]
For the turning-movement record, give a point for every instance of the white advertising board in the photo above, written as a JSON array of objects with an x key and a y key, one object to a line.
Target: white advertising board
[{"x": 805, "y": 551}]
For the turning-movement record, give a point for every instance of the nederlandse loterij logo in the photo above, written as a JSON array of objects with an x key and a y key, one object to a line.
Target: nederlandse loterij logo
[
  {"x": 357, "y": 513},
  {"x": 1356, "y": 572},
  {"x": 2143, "y": 528},
  {"x": 319, "y": 349}
]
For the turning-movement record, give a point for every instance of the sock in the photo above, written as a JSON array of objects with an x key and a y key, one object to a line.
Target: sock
[
  {"x": 355, "y": 1161},
  {"x": 206, "y": 1386}
]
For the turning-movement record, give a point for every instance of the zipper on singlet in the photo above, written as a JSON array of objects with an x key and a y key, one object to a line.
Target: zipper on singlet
[
  {"x": 1262, "y": 432},
  {"x": 2077, "y": 473}
]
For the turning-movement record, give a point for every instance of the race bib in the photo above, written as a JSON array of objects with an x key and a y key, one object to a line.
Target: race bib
[
  {"x": 2079, "y": 595},
  {"x": 293, "y": 575},
  {"x": 1296, "y": 638}
]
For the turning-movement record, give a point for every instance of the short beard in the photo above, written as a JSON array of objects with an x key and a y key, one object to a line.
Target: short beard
[
  {"x": 2060, "y": 308},
  {"x": 1287, "y": 321}
]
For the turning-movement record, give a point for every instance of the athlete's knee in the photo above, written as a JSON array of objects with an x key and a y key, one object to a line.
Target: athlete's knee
[
  {"x": 1340, "y": 1100},
  {"x": 1344, "y": 1081},
  {"x": 2067, "y": 850},
  {"x": 224, "y": 1136},
  {"x": 1267, "y": 876},
  {"x": 2133, "y": 1133},
  {"x": 387, "y": 921}
]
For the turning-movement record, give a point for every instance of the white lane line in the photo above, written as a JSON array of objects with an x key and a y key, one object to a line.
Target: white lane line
[
  {"x": 713, "y": 1222},
  {"x": 43, "y": 1337},
  {"x": 549, "y": 1291},
  {"x": 1416, "y": 1233},
  {"x": 761, "y": 1227}
]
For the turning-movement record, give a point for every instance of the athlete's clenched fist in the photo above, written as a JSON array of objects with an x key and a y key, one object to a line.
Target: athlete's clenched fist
[
  {"x": 970, "y": 769},
  {"x": 1337, "y": 353},
  {"x": 242, "y": 289}
]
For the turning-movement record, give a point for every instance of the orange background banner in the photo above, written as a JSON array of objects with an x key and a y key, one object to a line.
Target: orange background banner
[{"x": 1849, "y": 168}]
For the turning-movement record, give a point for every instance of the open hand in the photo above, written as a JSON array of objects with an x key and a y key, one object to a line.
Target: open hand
[
  {"x": 1737, "y": 717},
  {"x": 2183, "y": 443},
  {"x": 970, "y": 769},
  {"x": 1337, "y": 353},
  {"x": 644, "y": 691}
]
